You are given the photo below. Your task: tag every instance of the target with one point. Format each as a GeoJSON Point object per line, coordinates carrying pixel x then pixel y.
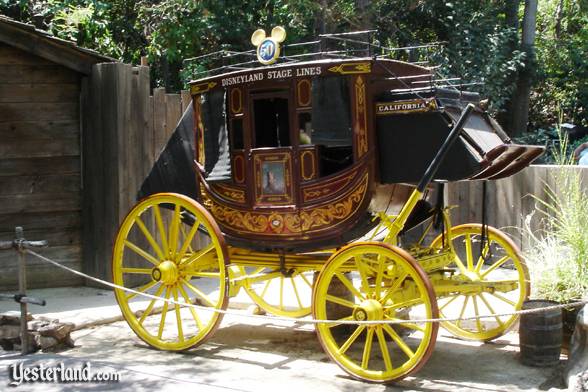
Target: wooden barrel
{"type": "Point", "coordinates": [540, 335]}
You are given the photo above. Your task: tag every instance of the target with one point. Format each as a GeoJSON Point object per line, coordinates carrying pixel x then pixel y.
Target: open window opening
{"type": "Point", "coordinates": [271, 122]}
{"type": "Point", "coordinates": [331, 123]}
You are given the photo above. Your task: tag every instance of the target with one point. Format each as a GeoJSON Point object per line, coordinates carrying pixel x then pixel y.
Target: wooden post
{"type": "Point", "coordinates": [22, 290]}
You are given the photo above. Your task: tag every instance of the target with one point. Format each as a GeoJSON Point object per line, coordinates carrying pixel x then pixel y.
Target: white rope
{"type": "Point", "coordinates": [306, 321]}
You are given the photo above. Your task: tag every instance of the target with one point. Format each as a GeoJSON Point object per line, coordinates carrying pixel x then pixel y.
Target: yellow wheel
{"type": "Point", "coordinates": [382, 283]}
{"type": "Point", "coordinates": [282, 295]}
{"type": "Point", "coordinates": [169, 246]}
{"type": "Point", "coordinates": [501, 264]}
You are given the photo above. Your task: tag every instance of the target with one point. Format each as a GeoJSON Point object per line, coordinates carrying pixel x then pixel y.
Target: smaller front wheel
{"type": "Point", "coordinates": [373, 281]}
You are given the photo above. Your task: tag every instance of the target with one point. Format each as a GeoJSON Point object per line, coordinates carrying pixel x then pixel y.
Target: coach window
{"type": "Point", "coordinates": [331, 123]}
{"type": "Point", "coordinates": [271, 120]}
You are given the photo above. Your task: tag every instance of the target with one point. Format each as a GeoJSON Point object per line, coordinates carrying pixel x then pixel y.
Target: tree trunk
{"type": "Point", "coordinates": [363, 9]}
{"type": "Point", "coordinates": [321, 18]}
{"type": "Point", "coordinates": [511, 12]}
{"type": "Point", "coordinates": [558, 18]}
{"type": "Point", "coordinates": [520, 101]}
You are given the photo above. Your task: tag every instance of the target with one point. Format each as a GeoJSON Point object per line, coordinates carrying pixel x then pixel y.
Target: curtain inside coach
{"type": "Point", "coordinates": [217, 163]}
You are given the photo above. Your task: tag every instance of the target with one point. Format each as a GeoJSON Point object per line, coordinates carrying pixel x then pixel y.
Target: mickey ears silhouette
{"type": "Point", "coordinates": [278, 35]}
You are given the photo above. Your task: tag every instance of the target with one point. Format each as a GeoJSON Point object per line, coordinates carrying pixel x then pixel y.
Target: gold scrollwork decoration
{"type": "Point", "coordinates": [361, 117]}
{"type": "Point", "coordinates": [201, 87]}
{"type": "Point", "coordinates": [353, 68]}
{"type": "Point", "coordinates": [287, 223]}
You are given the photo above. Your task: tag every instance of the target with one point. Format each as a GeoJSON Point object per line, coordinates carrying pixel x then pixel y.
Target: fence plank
{"type": "Point", "coordinates": [173, 113]}
{"type": "Point", "coordinates": [15, 185]}
{"type": "Point", "coordinates": [159, 120]}
{"type": "Point", "coordinates": [186, 99]}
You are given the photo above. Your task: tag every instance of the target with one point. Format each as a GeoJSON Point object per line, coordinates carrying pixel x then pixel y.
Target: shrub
{"type": "Point", "coordinates": [558, 256]}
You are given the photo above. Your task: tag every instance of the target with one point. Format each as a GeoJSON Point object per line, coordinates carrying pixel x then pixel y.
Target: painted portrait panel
{"type": "Point", "coordinates": [273, 177]}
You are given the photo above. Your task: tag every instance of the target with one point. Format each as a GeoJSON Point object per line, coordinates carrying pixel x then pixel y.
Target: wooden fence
{"type": "Point", "coordinates": [124, 128]}
{"type": "Point", "coordinates": [509, 201]}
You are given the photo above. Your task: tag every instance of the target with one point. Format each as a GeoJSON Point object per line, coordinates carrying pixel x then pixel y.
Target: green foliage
{"type": "Point", "coordinates": [562, 77]}
{"type": "Point", "coordinates": [558, 257]}
{"type": "Point", "coordinates": [479, 44]}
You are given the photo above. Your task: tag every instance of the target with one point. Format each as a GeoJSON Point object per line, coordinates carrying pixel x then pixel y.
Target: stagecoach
{"type": "Point", "coordinates": [305, 176]}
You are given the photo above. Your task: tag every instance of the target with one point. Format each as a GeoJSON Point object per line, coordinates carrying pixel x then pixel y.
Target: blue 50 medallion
{"type": "Point", "coordinates": [268, 48]}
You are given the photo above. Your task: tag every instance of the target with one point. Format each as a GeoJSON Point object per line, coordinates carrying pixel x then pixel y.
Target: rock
{"type": "Point", "coordinates": [57, 331]}
{"type": "Point", "coordinates": [46, 342]}
{"type": "Point", "coordinates": [576, 371]}
{"type": "Point", "coordinates": [37, 324]}
{"type": "Point", "coordinates": [46, 334]}
{"type": "Point", "coordinates": [7, 345]}
{"type": "Point", "coordinates": [9, 331]}
{"type": "Point", "coordinates": [12, 318]}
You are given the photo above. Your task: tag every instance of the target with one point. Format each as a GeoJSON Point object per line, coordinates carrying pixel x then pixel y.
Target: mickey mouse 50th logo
{"type": "Point", "coordinates": [268, 48]}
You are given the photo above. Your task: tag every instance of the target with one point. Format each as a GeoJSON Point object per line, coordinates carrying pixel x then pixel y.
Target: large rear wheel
{"type": "Point", "coordinates": [169, 246]}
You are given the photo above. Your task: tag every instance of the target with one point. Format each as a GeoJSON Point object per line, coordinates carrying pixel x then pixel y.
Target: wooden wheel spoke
{"type": "Point", "coordinates": [202, 274]}
{"type": "Point", "coordinates": [199, 293]}
{"type": "Point", "coordinates": [349, 285]}
{"type": "Point", "coordinates": [332, 325]}
{"type": "Point", "coordinates": [161, 228]}
{"type": "Point", "coordinates": [463, 308]}
{"type": "Point", "coordinates": [131, 270]}
{"type": "Point", "coordinates": [305, 279]}
{"type": "Point", "coordinates": [184, 236]}
{"type": "Point", "coordinates": [141, 252]}
{"type": "Point", "coordinates": [281, 293]}
{"type": "Point", "coordinates": [491, 310]}
{"type": "Point", "coordinates": [405, 304]}
{"type": "Point", "coordinates": [195, 257]}
{"type": "Point", "coordinates": [163, 314]}
{"type": "Point", "coordinates": [497, 264]}
{"type": "Point", "coordinates": [508, 301]}
{"type": "Point", "coordinates": [194, 314]}
{"type": "Point", "coordinates": [265, 287]}
{"type": "Point", "coordinates": [178, 316]}
{"type": "Point", "coordinates": [149, 308]}
{"type": "Point", "coordinates": [352, 338]}
{"type": "Point", "coordinates": [468, 249]}
{"type": "Point", "coordinates": [407, 324]}
{"type": "Point", "coordinates": [452, 298]}
{"type": "Point", "coordinates": [187, 241]}
{"type": "Point", "coordinates": [394, 287]}
{"type": "Point", "coordinates": [362, 274]}
{"type": "Point", "coordinates": [367, 350]}
{"type": "Point", "coordinates": [340, 301]}
{"type": "Point", "coordinates": [296, 292]}
{"type": "Point", "coordinates": [174, 231]}
{"type": "Point", "coordinates": [149, 238]}
{"type": "Point", "coordinates": [142, 289]}
{"type": "Point", "coordinates": [379, 276]}
{"type": "Point", "coordinates": [477, 313]}
{"type": "Point", "coordinates": [398, 340]}
{"type": "Point", "coordinates": [384, 348]}
{"type": "Point", "coordinates": [258, 271]}
{"type": "Point", "coordinates": [462, 268]}
{"type": "Point", "coordinates": [482, 257]}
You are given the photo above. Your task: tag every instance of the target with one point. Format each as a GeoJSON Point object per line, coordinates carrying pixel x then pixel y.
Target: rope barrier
{"type": "Point", "coordinates": [305, 321]}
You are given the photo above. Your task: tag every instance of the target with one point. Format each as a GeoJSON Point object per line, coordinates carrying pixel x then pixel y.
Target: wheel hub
{"type": "Point", "coordinates": [166, 272]}
{"type": "Point", "coordinates": [369, 310]}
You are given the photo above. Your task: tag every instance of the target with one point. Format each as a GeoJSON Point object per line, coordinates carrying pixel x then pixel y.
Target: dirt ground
{"type": "Point", "coordinates": [267, 355]}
